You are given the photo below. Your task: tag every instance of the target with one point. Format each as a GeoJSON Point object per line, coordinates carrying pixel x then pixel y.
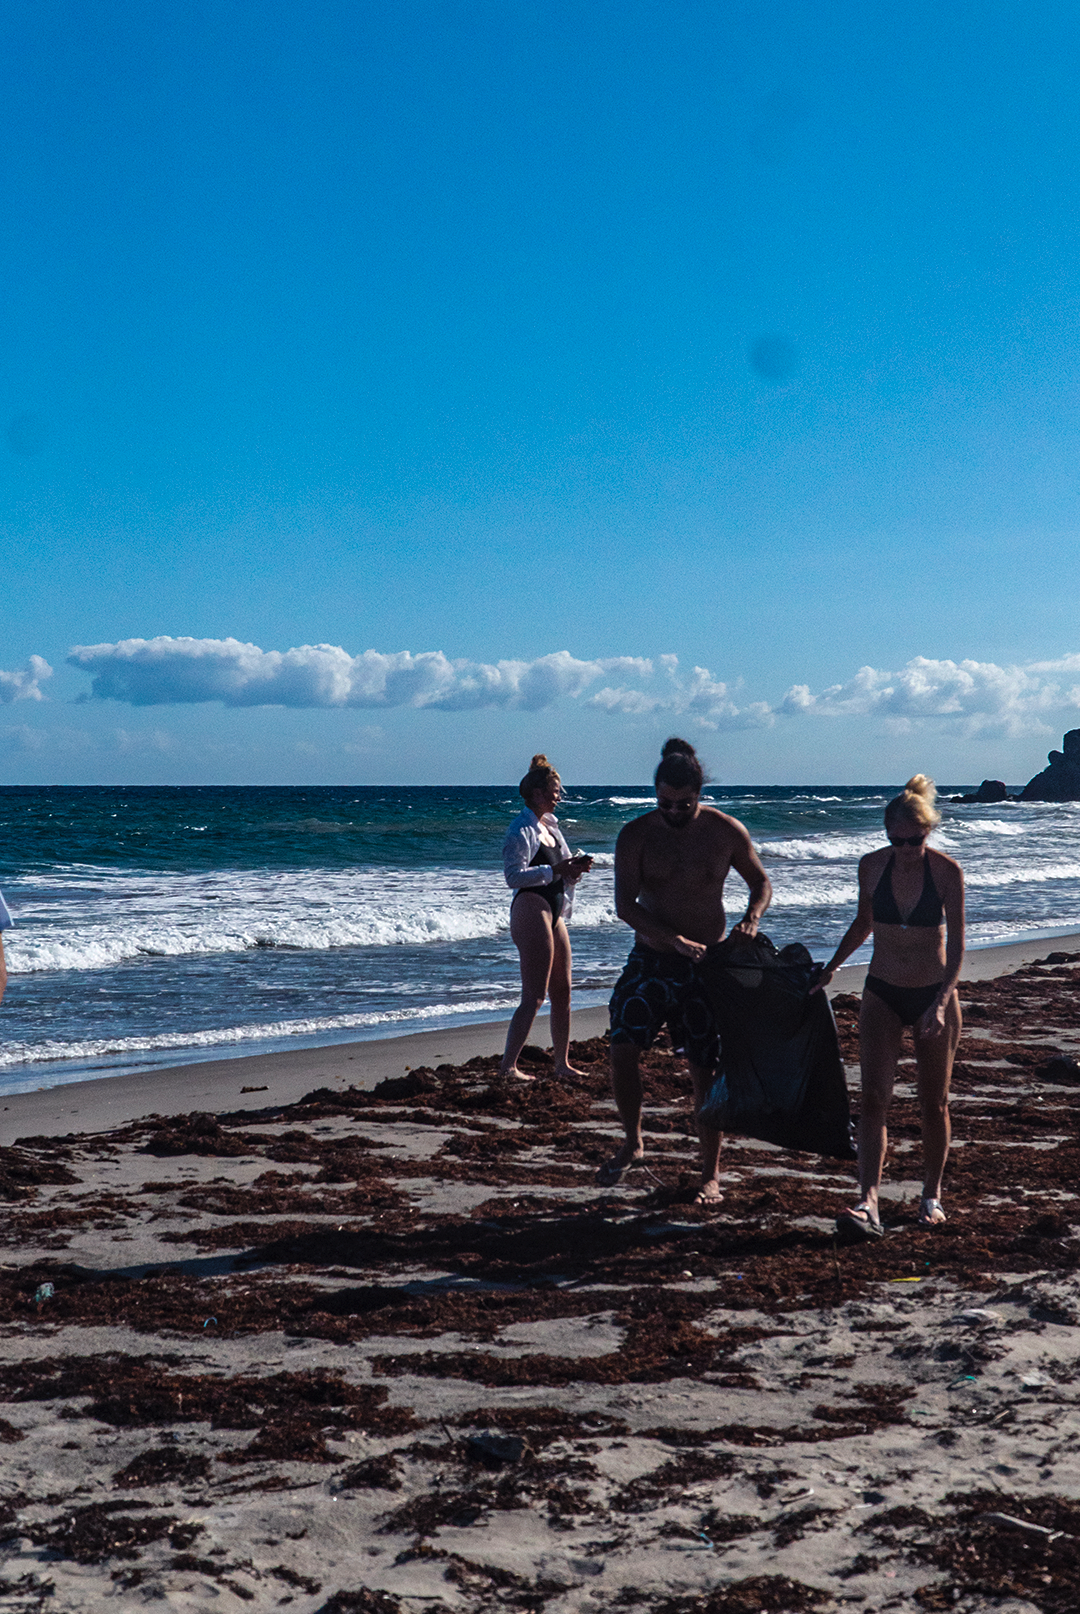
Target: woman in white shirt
{"type": "Point", "coordinates": [541, 873]}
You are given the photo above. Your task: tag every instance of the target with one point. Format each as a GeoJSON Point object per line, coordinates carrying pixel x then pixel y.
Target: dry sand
{"type": "Point", "coordinates": [277, 1327]}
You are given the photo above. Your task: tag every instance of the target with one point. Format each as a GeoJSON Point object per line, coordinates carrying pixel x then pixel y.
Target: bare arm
{"type": "Point", "coordinates": [932, 1023]}
{"type": "Point", "coordinates": [627, 890]}
{"type": "Point", "coordinates": [854, 935]}
{"type": "Point", "coordinates": [746, 862]}
{"type": "Point", "coordinates": [3, 968]}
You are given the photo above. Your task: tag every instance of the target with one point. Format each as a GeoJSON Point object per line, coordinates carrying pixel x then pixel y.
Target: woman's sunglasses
{"type": "Point", "coordinates": [906, 840]}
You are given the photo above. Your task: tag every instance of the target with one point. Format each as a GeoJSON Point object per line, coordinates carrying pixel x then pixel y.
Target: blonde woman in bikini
{"type": "Point", "coordinates": [912, 897]}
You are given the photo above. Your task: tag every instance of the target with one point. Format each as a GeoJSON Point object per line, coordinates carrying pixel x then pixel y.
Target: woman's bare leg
{"type": "Point", "coordinates": [934, 1057]}
{"type": "Point", "coordinates": [880, 1036]}
{"type": "Point", "coordinates": [710, 1139]}
{"type": "Point", "coordinates": [530, 926]}
{"type": "Point", "coordinates": [559, 993]}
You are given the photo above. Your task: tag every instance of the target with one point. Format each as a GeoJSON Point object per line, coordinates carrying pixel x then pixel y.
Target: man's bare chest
{"type": "Point", "coordinates": [667, 861]}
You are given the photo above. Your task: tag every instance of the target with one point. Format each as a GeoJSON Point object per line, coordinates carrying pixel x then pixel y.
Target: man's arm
{"type": "Point", "coordinates": [745, 861]}
{"type": "Point", "coordinates": [627, 889]}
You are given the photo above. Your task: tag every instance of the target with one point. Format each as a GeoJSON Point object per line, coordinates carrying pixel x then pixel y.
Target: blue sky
{"type": "Point", "coordinates": [747, 335]}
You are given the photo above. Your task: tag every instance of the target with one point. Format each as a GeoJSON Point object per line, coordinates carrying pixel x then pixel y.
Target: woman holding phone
{"type": "Point", "coordinates": [912, 897]}
{"type": "Point", "coordinates": [542, 873]}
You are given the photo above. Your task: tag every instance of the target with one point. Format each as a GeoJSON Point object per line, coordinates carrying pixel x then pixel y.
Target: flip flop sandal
{"type": "Point", "coordinates": [854, 1228]}
{"type": "Point", "coordinates": [927, 1209]}
{"type": "Point", "coordinates": [611, 1172]}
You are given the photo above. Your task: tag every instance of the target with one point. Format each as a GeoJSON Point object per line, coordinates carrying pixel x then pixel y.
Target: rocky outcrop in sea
{"type": "Point", "coordinates": [1061, 780]}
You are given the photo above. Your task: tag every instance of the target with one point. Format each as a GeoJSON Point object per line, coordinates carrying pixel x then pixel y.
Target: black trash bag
{"type": "Point", "coordinates": [781, 1077]}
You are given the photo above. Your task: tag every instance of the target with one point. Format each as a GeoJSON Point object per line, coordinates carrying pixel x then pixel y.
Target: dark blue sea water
{"type": "Point", "coordinates": [155, 926]}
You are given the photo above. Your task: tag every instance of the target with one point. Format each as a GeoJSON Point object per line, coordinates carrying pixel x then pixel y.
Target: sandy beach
{"type": "Point", "coordinates": [354, 1329]}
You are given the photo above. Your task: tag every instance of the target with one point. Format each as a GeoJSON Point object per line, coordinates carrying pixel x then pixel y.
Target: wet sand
{"type": "Point", "coordinates": [383, 1345]}
{"type": "Point", "coordinates": [288, 1075]}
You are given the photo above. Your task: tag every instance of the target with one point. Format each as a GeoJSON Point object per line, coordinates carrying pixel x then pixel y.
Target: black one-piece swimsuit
{"type": "Point", "coordinates": [553, 893]}
{"type": "Point", "coordinates": [909, 1003]}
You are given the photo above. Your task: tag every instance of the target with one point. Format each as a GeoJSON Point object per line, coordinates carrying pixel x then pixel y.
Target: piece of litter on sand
{"type": "Point", "coordinates": [263, 1089]}
{"type": "Point", "coordinates": [965, 1378]}
{"type": "Point", "coordinates": [905, 1280]}
{"type": "Point", "coordinates": [43, 1292]}
{"type": "Point", "coordinates": [208, 1321]}
{"type": "Point", "coordinates": [494, 1450]}
{"type": "Point", "coordinates": [1023, 1524]}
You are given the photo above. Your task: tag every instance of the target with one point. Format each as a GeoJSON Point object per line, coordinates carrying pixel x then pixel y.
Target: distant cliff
{"type": "Point", "coordinates": [1061, 780]}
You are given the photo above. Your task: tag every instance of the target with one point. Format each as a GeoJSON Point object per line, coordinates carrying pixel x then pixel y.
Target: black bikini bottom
{"type": "Point", "coordinates": [908, 1003]}
{"type": "Point", "coordinates": [551, 894]}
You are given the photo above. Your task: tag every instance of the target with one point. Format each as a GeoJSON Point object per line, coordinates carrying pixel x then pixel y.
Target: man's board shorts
{"type": "Point", "coordinates": [664, 988]}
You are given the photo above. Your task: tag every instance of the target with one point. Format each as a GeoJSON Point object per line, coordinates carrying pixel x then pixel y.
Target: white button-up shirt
{"type": "Point", "coordinates": [520, 847]}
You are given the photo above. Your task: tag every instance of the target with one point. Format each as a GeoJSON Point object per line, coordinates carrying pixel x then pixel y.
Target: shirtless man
{"type": "Point", "coordinates": [670, 868]}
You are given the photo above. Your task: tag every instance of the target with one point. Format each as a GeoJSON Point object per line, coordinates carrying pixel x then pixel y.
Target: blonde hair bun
{"type": "Point", "coordinates": [541, 776]}
{"type": "Point", "coordinates": [917, 802]}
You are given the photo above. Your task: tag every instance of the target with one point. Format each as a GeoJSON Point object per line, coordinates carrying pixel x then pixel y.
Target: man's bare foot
{"type": "Point", "coordinates": [709, 1193]}
{"type": "Point", "coordinates": [512, 1074]}
{"type": "Point", "coordinates": [611, 1172]}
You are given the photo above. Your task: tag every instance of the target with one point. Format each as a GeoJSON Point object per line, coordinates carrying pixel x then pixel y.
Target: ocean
{"type": "Point", "coordinates": [159, 926]}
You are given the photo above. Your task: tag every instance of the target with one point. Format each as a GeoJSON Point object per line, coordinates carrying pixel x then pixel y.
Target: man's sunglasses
{"type": "Point", "coordinates": [906, 840]}
{"type": "Point", "coordinates": [676, 806]}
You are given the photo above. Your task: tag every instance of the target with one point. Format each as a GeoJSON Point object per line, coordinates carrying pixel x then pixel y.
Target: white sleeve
{"type": "Point", "coordinates": [6, 920]}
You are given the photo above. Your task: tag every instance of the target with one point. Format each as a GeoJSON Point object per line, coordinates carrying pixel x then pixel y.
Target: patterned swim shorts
{"type": "Point", "coordinates": [658, 988]}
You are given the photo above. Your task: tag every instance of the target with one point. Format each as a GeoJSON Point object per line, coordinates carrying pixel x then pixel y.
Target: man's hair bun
{"type": "Point", "coordinates": [539, 761]}
{"type": "Point", "coordinates": [679, 767]}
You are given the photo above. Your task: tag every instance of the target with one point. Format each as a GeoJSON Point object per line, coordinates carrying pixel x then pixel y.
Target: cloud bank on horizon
{"type": "Point", "coordinates": [975, 697]}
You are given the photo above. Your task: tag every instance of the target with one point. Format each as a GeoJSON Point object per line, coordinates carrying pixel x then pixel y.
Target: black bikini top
{"type": "Point", "coordinates": [927, 912]}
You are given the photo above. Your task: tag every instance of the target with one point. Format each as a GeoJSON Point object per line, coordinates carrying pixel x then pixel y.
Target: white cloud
{"type": "Point", "coordinates": [167, 671]}
{"type": "Point", "coordinates": [24, 685]}
{"type": "Point", "coordinates": [971, 697]}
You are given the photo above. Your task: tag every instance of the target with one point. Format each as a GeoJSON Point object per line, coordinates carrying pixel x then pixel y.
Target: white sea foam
{"type": "Point", "coordinates": [829, 848]}
{"type": "Point", "coordinates": [52, 1050]}
{"type": "Point", "coordinates": [1023, 874]}
{"type": "Point", "coordinates": [104, 917]}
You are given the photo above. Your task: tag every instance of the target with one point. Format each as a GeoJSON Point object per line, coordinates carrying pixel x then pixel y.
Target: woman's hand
{"type": "Point", "coordinates": [689, 949]}
{"type": "Point", "coordinates": [823, 979]}
{"type": "Point", "coordinates": [932, 1023]}
{"type": "Point", "coordinates": [572, 868]}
